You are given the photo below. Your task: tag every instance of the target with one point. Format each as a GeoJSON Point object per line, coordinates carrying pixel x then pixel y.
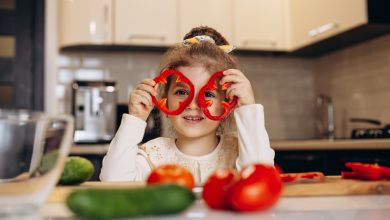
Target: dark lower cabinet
{"type": "Point", "coordinates": [330, 162]}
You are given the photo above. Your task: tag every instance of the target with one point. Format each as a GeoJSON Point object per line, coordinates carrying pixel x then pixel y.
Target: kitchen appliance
{"type": "Point", "coordinates": [376, 131]}
{"type": "Point", "coordinates": [94, 108]}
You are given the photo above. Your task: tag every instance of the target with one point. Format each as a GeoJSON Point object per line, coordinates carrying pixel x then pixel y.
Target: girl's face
{"type": "Point", "coordinates": [192, 122]}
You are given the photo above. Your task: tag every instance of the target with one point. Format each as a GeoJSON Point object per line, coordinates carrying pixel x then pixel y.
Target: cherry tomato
{"type": "Point", "coordinates": [216, 187]}
{"type": "Point", "coordinates": [258, 188]}
{"type": "Point", "coordinates": [171, 173]}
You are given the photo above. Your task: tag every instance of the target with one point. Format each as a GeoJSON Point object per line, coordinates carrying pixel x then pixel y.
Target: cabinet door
{"type": "Point", "coordinates": [312, 21]}
{"type": "Point", "coordinates": [260, 24]}
{"type": "Point", "coordinates": [146, 22]}
{"type": "Point", "coordinates": [212, 13]}
{"type": "Point", "coordinates": [85, 22]}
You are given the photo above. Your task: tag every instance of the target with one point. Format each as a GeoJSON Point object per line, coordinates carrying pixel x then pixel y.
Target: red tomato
{"type": "Point", "coordinates": [258, 188]}
{"type": "Point", "coordinates": [216, 187]}
{"type": "Point", "coordinates": [172, 173]}
{"type": "Point", "coordinates": [278, 168]}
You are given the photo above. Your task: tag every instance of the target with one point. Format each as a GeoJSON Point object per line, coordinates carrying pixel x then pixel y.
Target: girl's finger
{"type": "Point", "coordinates": [150, 82]}
{"type": "Point", "coordinates": [233, 72]}
{"type": "Point", "coordinates": [233, 91]}
{"type": "Point", "coordinates": [232, 79]}
{"type": "Point", "coordinates": [144, 97]}
{"type": "Point", "coordinates": [147, 88]}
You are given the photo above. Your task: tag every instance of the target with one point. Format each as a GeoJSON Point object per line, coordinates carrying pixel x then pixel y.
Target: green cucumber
{"type": "Point", "coordinates": [133, 202]}
{"type": "Point", "coordinates": [76, 171]}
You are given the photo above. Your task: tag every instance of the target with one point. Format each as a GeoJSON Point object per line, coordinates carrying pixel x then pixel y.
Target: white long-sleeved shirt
{"type": "Point", "coordinates": [126, 160]}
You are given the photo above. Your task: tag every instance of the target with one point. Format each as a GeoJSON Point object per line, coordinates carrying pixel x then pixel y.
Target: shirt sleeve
{"type": "Point", "coordinates": [253, 141]}
{"type": "Point", "coordinates": [122, 163]}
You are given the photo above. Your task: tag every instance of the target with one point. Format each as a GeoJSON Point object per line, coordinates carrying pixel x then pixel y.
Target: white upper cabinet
{"type": "Point", "coordinates": [146, 22]}
{"type": "Point", "coordinates": [315, 20]}
{"type": "Point", "coordinates": [85, 22]}
{"type": "Point", "coordinates": [212, 13]}
{"type": "Point", "coordinates": [260, 24]}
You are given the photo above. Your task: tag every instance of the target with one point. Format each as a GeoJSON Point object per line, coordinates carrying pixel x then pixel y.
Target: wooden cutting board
{"type": "Point", "coordinates": [331, 186]}
{"type": "Point", "coordinates": [60, 193]}
{"type": "Point", "coordinates": [335, 186]}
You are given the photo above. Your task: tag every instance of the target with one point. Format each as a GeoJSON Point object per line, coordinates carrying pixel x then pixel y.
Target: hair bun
{"type": "Point", "coordinates": [205, 30]}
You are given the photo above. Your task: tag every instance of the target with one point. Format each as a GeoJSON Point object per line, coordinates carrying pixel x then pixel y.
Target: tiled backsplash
{"type": "Point", "coordinates": [356, 78]}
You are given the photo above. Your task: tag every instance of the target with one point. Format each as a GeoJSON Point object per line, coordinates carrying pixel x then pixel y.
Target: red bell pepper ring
{"type": "Point", "coordinates": [204, 104]}
{"type": "Point", "coordinates": [366, 171]}
{"type": "Point", "coordinates": [162, 104]}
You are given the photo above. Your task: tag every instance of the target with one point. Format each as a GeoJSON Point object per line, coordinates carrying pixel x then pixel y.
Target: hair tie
{"type": "Point", "coordinates": [197, 39]}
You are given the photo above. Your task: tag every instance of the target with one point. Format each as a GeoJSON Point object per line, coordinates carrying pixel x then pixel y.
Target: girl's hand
{"type": "Point", "coordinates": [240, 87]}
{"type": "Point", "coordinates": [140, 101]}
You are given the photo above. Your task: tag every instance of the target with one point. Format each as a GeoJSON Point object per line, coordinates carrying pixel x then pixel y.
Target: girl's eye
{"type": "Point", "coordinates": [209, 94]}
{"type": "Point", "coordinates": [181, 92]}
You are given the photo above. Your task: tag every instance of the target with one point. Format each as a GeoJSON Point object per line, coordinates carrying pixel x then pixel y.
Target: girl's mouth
{"type": "Point", "coordinates": [193, 119]}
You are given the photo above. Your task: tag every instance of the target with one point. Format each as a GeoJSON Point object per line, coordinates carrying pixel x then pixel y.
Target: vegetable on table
{"type": "Point", "coordinates": [76, 171]}
{"type": "Point", "coordinates": [257, 187]}
{"type": "Point", "coordinates": [366, 171]}
{"type": "Point", "coordinates": [171, 173]}
{"type": "Point", "coordinates": [133, 202]}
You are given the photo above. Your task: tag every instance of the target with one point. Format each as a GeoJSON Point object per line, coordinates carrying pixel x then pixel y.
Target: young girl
{"type": "Point", "coordinates": [198, 144]}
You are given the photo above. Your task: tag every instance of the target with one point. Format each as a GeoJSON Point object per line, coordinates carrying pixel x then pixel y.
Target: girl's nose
{"type": "Point", "coordinates": [194, 103]}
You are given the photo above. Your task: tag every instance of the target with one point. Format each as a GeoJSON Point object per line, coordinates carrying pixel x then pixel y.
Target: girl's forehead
{"type": "Point", "coordinates": [197, 74]}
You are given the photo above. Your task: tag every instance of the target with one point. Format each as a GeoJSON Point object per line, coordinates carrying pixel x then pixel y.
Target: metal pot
{"type": "Point", "coordinates": [378, 131]}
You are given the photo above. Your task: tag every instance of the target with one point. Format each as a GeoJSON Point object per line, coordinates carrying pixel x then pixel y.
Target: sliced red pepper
{"type": "Point", "coordinates": [302, 177]}
{"type": "Point", "coordinates": [349, 175]}
{"type": "Point", "coordinates": [366, 171]}
{"type": "Point", "coordinates": [162, 104]}
{"type": "Point", "coordinates": [204, 104]}
{"type": "Point", "coordinates": [386, 172]}
{"type": "Point", "coordinates": [288, 177]}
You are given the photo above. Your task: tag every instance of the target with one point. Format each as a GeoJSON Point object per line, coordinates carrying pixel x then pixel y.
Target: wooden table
{"type": "Point", "coordinates": [334, 198]}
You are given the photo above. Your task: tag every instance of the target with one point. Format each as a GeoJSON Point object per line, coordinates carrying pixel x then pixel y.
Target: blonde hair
{"type": "Point", "coordinates": [205, 54]}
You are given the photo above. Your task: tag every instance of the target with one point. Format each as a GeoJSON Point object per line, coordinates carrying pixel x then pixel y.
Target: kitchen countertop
{"type": "Point", "coordinates": [315, 144]}
{"type": "Point", "coordinates": [373, 207]}
{"type": "Point", "coordinates": [337, 144]}
{"type": "Point", "coordinates": [353, 200]}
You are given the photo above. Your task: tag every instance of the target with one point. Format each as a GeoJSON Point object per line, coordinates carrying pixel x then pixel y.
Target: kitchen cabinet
{"type": "Point", "coordinates": [212, 13]}
{"type": "Point", "coordinates": [260, 24]}
{"type": "Point", "coordinates": [312, 21]}
{"type": "Point", "coordinates": [84, 22]}
{"type": "Point", "coordinates": [147, 22]}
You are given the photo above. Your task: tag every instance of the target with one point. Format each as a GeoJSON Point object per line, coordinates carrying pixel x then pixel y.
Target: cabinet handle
{"type": "Point", "coordinates": [147, 37]}
{"type": "Point", "coordinates": [322, 29]}
{"type": "Point", "coordinates": [259, 42]}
